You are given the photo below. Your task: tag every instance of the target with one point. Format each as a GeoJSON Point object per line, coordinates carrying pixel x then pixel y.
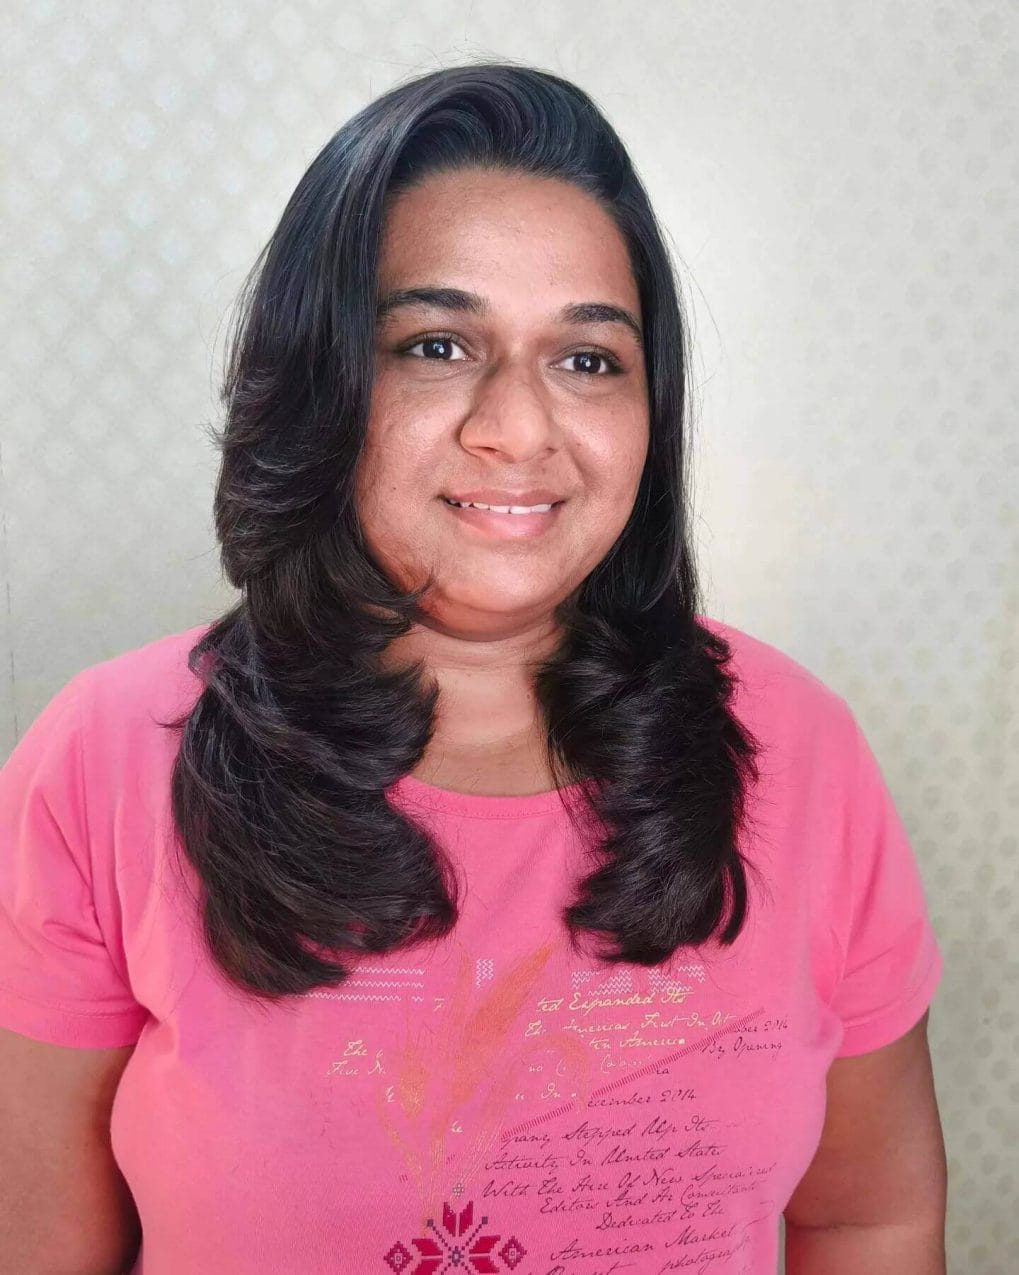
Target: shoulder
{"type": "Point", "coordinates": [125, 700]}
{"type": "Point", "coordinates": [778, 696]}
{"type": "Point", "coordinates": [106, 708]}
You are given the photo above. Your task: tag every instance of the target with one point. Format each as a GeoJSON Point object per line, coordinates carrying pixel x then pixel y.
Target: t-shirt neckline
{"type": "Point", "coordinates": [482, 806]}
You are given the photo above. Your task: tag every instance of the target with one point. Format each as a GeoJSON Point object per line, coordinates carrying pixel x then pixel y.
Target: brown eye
{"type": "Point", "coordinates": [595, 363]}
{"type": "Point", "coordinates": [434, 348]}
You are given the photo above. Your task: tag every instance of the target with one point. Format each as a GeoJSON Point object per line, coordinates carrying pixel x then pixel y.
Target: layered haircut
{"type": "Point", "coordinates": [279, 783]}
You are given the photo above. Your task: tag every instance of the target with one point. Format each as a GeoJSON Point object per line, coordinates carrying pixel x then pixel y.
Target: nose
{"type": "Point", "coordinates": [510, 416]}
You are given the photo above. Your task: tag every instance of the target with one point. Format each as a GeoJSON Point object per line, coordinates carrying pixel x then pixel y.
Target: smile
{"type": "Point", "coordinates": [516, 510]}
{"type": "Point", "coordinates": [505, 522]}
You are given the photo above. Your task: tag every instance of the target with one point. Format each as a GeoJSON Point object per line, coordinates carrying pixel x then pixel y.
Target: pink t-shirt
{"type": "Point", "coordinates": [491, 1103]}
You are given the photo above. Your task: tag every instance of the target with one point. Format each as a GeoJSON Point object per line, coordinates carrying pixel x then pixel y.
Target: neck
{"type": "Point", "coordinates": [486, 687]}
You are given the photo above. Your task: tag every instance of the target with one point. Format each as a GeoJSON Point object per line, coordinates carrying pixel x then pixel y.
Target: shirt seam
{"type": "Point", "coordinates": [39, 1002]}
{"type": "Point", "coordinates": [442, 809]}
{"type": "Point", "coordinates": [141, 937]}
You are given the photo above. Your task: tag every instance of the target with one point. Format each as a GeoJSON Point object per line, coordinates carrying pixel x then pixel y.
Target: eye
{"type": "Point", "coordinates": [596, 362]}
{"type": "Point", "coordinates": [609, 365]}
{"type": "Point", "coordinates": [429, 343]}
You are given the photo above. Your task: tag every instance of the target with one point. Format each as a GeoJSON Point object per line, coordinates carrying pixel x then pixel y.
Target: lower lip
{"type": "Point", "coordinates": [506, 526]}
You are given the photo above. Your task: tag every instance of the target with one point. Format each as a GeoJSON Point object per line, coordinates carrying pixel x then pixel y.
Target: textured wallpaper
{"type": "Point", "coordinates": [839, 184]}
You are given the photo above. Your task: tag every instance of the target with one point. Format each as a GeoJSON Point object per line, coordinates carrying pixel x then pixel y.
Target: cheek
{"type": "Point", "coordinates": [387, 514]}
{"type": "Point", "coordinates": [389, 472]}
{"type": "Point", "coordinates": [614, 460]}
{"type": "Point", "coordinates": [381, 499]}
{"type": "Point", "coordinates": [394, 487]}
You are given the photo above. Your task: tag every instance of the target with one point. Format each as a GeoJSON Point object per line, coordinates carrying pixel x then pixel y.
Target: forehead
{"type": "Point", "coordinates": [505, 234]}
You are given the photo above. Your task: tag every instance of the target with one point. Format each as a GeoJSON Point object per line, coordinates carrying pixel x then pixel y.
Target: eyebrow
{"type": "Point", "coordinates": [457, 299]}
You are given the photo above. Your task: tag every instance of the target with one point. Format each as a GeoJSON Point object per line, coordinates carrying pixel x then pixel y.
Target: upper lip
{"type": "Point", "coordinates": [497, 496]}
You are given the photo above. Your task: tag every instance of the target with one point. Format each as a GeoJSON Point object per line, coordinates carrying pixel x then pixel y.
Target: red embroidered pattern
{"type": "Point", "coordinates": [438, 1253]}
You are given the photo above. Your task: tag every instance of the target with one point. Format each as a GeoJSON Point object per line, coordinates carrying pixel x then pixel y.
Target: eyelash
{"type": "Point", "coordinates": [615, 367]}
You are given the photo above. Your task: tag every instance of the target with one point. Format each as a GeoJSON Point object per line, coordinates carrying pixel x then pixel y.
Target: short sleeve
{"type": "Point", "coordinates": [892, 963]}
{"type": "Point", "coordinates": [58, 982]}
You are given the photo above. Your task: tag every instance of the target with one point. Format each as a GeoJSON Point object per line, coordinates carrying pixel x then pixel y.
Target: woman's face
{"type": "Point", "coordinates": [495, 389]}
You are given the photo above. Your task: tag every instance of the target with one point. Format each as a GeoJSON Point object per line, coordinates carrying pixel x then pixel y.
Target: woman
{"type": "Point", "coordinates": [463, 898]}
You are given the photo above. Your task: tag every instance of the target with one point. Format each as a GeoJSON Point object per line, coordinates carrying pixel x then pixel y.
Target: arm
{"type": "Point", "coordinates": [65, 1208]}
{"type": "Point", "coordinates": [873, 1198]}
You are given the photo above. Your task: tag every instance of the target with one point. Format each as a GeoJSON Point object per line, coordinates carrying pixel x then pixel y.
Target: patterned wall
{"type": "Point", "coordinates": [839, 183]}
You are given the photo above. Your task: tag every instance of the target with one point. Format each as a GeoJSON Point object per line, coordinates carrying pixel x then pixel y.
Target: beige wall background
{"type": "Point", "coordinates": [839, 182]}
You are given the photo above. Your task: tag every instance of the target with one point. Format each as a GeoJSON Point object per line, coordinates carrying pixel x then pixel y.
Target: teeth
{"type": "Point", "coordinates": [503, 509]}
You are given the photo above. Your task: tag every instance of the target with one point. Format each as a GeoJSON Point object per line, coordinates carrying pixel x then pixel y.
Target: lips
{"type": "Point", "coordinates": [501, 525]}
{"type": "Point", "coordinates": [502, 496]}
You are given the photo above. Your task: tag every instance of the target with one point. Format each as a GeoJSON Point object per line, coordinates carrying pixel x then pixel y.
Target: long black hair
{"type": "Point", "coordinates": [279, 784]}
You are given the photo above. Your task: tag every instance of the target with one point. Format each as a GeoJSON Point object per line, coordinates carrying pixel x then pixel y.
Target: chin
{"type": "Point", "coordinates": [493, 610]}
